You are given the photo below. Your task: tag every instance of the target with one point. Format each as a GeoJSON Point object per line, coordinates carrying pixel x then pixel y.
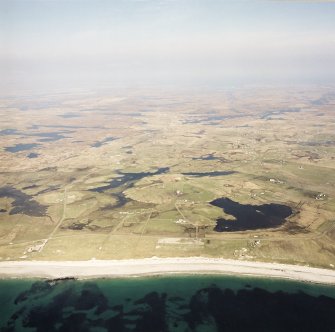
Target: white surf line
{"type": "Point", "coordinates": [162, 266]}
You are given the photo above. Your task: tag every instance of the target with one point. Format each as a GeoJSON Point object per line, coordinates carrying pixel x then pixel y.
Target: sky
{"type": "Point", "coordinates": [73, 43]}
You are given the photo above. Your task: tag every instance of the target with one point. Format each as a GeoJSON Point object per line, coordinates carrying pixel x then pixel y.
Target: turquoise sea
{"type": "Point", "coordinates": [169, 303]}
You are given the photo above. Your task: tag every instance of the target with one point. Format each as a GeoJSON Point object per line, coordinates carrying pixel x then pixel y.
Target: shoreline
{"type": "Point", "coordinates": [162, 266]}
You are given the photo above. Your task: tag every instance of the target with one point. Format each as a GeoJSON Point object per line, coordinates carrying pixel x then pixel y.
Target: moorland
{"type": "Point", "coordinates": [246, 174]}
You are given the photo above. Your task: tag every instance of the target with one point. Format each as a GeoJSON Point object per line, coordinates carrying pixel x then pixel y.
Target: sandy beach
{"type": "Point", "coordinates": [161, 266]}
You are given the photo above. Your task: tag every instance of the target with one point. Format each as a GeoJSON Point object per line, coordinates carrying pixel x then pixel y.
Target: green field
{"type": "Point", "coordinates": [147, 191]}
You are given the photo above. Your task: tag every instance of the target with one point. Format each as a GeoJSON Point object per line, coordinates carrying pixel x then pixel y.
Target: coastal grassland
{"type": "Point", "coordinates": [134, 184]}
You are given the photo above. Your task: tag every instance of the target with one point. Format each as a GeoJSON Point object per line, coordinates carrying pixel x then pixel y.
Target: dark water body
{"type": "Point", "coordinates": [212, 119]}
{"type": "Point", "coordinates": [30, 187]}
{"type": "Point", "coordinates": [50, 137]}
{"type": "Point", "coordinates": [23, 203]}
{"type": "Point", "coordinates": [47, 190]}
{"type": "Point", "coordinates": [268, 115]}
{"type": "Point", "coordinates": [174, 303]}
{"type": "Point", "coordinates": [70, 115]}
{"type": "Point", "coordinates": [80, 225]}
{"type": "Point", "coordinates": [121, 200]}
{"type": "Point", "coordinates": [210, 156]}
{"type": "Point", "coordinates": [326, 99]}
{"type": "Point", "coordinates": [42, 105]}
{"type": "Point", "coordinates": [127, 179]}
{"type": "Point", "coordinates": [312, 143]}
{"type": "Point", "coordinates": [123, 182]}
{"type": "Point", "coordinates": [35, 126]}
{"type": "Point", "coordinates": [103, 142]}
{"type": "Point", "coordinates": [45, 136]}
{"type": "Point", "coordinates": [249, 217]}
{"type": "Point", "coordinates": [33, 155]}
{"type": "Point", "coordinates": [318, 143]}
{"type": "Point", "coordinates": [7, 132]}
{"type": "Point", "coordinates": [21, 147]}
{"type": "Point", "coordinates": [210, 174]}
{"type": "Point", "coordinates": [135, 114]}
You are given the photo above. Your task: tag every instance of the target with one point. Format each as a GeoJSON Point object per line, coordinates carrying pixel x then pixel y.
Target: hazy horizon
{"type": "Point", "coordinates": [81, 43]}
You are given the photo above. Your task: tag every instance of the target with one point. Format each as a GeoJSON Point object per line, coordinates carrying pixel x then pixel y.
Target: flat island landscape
{"type": "Point", "coordinates": [167, 166]}
{"type": "Point", "coordinates": [244, 174]}
{"type": "Point", "coordinates": [228, 191]}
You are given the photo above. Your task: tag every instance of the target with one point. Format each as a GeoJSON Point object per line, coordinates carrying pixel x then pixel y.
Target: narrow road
{"type": "Point", "coordinates": [59, 222]}
{"type": "Point", "coordinates": [177, 208]}
{"type": "Point", "coordinates": [138, 240]}
{"type": "Point", "coordinates": [118, 226]}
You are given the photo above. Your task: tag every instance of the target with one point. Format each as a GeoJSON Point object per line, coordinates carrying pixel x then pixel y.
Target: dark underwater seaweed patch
{"type": "Point", "coordinates": [68, 305]}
